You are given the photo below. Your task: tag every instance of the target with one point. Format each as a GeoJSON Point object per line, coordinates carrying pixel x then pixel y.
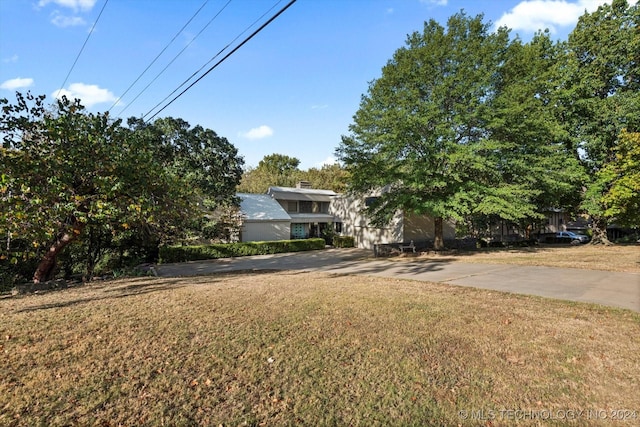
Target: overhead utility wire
{"type": "Point", "coordinates": [160, 54]}
{"type": "Point", "coordinates": [212, 58]}
{"type": "Point", "coordinates": [175, 57]}
{"type": "Point", "coordinates": [93, 27]}
{"type": "Point", "coordinates": [228, 55]}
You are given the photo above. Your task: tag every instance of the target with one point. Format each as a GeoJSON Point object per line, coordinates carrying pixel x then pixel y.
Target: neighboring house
{"type": "Point", "coordinates": [303, 212]}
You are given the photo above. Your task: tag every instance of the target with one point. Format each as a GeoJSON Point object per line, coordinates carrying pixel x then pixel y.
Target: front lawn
{"type": "Point", "coordinates": [295, 348]}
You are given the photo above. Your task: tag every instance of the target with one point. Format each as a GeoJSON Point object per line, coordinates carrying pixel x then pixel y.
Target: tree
{"type": "Point", "coordinates": [205, 161]}
{"type": "Point", "coordinates": [272, 170]}
{"type": "Point", "coordinates": [531, 147]}
{"type": "Point", "coordinates": [617, 184]}
{"type": "Point", "coordinates": [282, 170]}
{"type": "Point", "coordinates": [66, 172]}
{"type": "Point", "coordinates": [601, 94]}
{"type": "Point", "coordinates": [328, 177]}
{"type": "Point", "coordinates": [446, 130]}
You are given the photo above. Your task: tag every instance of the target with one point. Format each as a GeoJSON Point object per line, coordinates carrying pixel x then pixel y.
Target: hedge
{"type": "Point", "coordinates": [201, 252]}
{"type": "Point", "coordinates": [344, 241]}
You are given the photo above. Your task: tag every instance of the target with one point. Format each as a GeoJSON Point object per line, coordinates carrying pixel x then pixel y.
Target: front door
{"type": "Point", "coordinates": [298, 231]}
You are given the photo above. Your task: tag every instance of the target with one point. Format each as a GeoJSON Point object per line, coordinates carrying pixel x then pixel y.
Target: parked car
{"type": "Point", "coordinates": [570, 237]}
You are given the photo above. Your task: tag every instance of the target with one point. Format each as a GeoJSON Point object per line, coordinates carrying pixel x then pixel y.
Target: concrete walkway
{"type": "Point", "coordinates": [594, 286]}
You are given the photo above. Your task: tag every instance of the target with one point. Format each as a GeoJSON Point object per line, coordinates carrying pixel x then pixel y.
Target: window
{"type": "Point", "coordinates": [292, 206]}
{"type": "Point", "coordinates": [369, 201]}
{"type": "Point", "coordinates": [338, 226]}
{"type": "Point", "coordinates": [324, 207]}
{"type": "Point", "coordinates": [305, 206]}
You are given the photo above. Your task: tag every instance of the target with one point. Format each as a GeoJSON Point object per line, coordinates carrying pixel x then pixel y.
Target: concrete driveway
{"type": "Point", "coordinates": [601, 287]}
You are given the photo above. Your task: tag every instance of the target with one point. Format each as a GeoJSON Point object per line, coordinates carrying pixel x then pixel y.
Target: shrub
{"type": "Point", "coordinates": [224, 250]}
{"type": "Point", "coordinates": [343, 241]}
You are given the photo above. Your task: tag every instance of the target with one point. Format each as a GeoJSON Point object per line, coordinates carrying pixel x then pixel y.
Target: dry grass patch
{"type": "Point", "coordinates": [623, 258]}
{"type": "Point", "coordinates": [310, 349]}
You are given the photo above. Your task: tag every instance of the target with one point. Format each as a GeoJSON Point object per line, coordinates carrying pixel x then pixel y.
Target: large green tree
{"type": "Point", "coordinates": [616, 186]}
{"type": "Point", "coordinates": [273, 170]}
{"type": "Point", "coordinates": [456, 126]}
{"type": "Point", "coordinates": [207, 162]}
{"type": "Point", "coordinates": [601, 94]}
{"type": "Point", "coordinates": [282, 170]}
{"type": "Point", "coordinates": [68, 175]}
{"type": "Point", "coordinates": [327, 177]}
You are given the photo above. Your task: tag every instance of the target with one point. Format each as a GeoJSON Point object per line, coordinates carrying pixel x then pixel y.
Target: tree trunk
{"type": "Point", "coordinates": [438, 242]}
{"type": "Point", "coordinates": [599, 236]}
{"type": "Point", "coordinates": [47, 264]}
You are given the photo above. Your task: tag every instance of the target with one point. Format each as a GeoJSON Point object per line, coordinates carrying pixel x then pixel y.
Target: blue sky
{"type": "Point", "coordinates": [292, 89]}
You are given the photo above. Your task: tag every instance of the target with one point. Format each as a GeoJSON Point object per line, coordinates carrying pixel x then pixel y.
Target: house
{"type": "Point", "coordinates": [263, 219]}
{"type": "Point", "coordinates": [303, 212]}
{"type": "Point", "coordinates": [285, 213]}
{"type": "Point", "coordinates": [308, 208]}
{"type": "Point", "coordinates": [349, 216]}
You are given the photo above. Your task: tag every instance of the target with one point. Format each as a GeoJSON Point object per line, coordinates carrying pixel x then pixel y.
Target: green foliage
{"type": "Point", "coordinates": [273, 170]}
{"type": "Point", "coordinates": [329, 177]}
{"type": "Point", "coordinates": [601, 97]}
{"type": "Point", "coordinates": [69, 176]}
{"type": "Point", "coordinates": [621, 178]}
{"type": "Point", "coordinates": [344, 241]}
{"type": "Point", "coordinates": [282, 171]}
{"type": "Point", "coordinates": [170, 254]}
{"type": "Point", "coordinates": [459, 125]}
{"type": "Point", "coordinates": [202, 160]}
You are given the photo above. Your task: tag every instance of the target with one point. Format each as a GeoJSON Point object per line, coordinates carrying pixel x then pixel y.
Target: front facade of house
{"type": "Point", "coordinates": [308, 208]}
{"type": "Point", "coordinates": [303, 212]}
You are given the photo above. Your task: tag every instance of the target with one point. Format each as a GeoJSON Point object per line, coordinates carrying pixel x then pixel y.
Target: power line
{"type": "Point", "coordinates": [226, 56]}
{"type": "Point", "coordinates": [82, 48]}
{"type": "Point", "coordinates": [212, 58]}
{"type": "Point", "coordinates": [174, 58]}
{"type": "Point", "coordinates": [160, 54]}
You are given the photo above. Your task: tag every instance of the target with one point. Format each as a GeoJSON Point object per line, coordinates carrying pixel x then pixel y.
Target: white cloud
{"type": "Point", "coordinates": [436, 2]}
{"type": "Point", "coordinates": [76, 5]}
{"type": "Point", "coordinates": [10, 59]}
{"type": "Point", "coordinates": [534, 15]}
{"type": "Point", "coordinates": [89, 95]}
{"type": "Point", "coordinates": [258, 133]}
{"type": "Point", "coordinates": [67, 21]}
{"type": "Point", "coordinates": [18, 83]}
{"type": "Point", "coordinates": [328, 161]}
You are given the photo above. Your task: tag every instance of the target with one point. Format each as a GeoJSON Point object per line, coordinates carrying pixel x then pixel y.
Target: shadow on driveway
{"type": "Point", "coordinates": [601, 287]}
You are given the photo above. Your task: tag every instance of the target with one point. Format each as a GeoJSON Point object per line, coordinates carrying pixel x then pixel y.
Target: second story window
{"type": "Point", "coordinates": [292, 206]}
{"type": "Point", "coordinates": [305, 206]}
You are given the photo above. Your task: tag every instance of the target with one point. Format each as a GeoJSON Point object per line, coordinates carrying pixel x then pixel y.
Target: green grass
{"type": "Point", "coordinates": [309, 349]}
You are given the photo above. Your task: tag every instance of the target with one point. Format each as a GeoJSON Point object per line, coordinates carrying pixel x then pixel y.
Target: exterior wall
{"type": "Point", "coordinates": [421, 227]}
{"type": "Point", "coordinates": [263, 231]}
{"type": "Point", "coordinates": [348, 211]}
{"type": "Point", "coordinates": [556, 221]}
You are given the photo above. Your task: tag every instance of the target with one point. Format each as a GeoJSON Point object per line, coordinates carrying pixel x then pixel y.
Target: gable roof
{"type": "Point", "coordinates": [261, 207]}
{"type": "Point", "coordinates": [311, 194]}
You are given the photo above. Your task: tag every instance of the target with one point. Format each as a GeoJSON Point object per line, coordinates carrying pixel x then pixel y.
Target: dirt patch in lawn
{"type": "Point", "coordinates": [293, 348]}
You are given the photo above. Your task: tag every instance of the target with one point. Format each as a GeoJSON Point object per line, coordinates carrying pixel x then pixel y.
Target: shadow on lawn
{"type": "Point", "coordinates": [136, 286]}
